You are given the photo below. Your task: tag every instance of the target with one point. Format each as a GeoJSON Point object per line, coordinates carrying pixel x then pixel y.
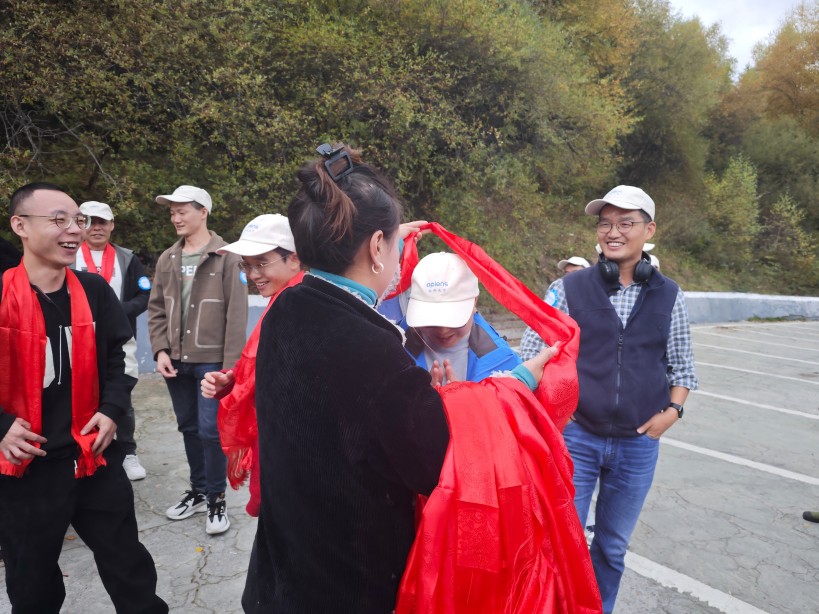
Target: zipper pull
{"type": "Point", "coordinates": [75, 468]}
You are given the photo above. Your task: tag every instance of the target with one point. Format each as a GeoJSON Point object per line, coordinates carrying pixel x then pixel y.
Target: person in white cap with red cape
{"type": "Point", "coordinates": [197, 319]}
{"type": "Point", "coordinates": [635, 368]}
{"type": "Point", "coordinates": [270, 261]}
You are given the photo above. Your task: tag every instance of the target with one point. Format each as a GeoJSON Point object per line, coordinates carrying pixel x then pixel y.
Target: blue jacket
{"type": "Point", "coordinates": [488, 351]}
{"type": "Point", "coordinates": [622, 370]}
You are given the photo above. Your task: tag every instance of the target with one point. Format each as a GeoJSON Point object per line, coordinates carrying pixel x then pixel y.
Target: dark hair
{"type": "Point", "coordinates": [284, 253]}
{"type": "Point", "coordinates": [330, 220]}
{"type": "Point", "coordinates": [24, 193]}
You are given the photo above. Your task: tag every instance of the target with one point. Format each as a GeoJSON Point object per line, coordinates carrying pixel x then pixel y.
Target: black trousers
{"type": "Point", "coordinates": [35, 512]}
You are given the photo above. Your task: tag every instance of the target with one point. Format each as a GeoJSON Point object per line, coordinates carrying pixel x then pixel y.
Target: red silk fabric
{"type": "Point", "coordinates": [558, 389]}
{"type": "Point", "coordinates": [500, 534]}
{"type": "Point", "coordinates": [236, 420]}
{"type": "Point", "coordinates": [109, 255]}
{"type": "Point", "coordinates": [22, 364]}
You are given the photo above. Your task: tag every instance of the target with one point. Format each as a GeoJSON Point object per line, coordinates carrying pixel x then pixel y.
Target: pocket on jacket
{"type": "Point", "coordinates": [210, 324]}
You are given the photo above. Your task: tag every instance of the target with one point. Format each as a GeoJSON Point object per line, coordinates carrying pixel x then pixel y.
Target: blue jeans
{"type": "Point", "coordinates": [625, 468]}
{"type": "Point", "coordinates": [196, 420]}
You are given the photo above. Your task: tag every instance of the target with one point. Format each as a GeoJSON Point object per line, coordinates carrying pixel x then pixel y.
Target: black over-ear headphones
{"type": "Point", "coordinates": [610, 271]}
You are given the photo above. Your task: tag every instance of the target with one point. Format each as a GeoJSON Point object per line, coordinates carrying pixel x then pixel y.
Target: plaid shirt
{"type": "Point", "coordinates": [680, 351]}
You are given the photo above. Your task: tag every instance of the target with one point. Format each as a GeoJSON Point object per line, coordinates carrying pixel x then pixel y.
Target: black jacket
{"type": "Point", "coordinates": [349, 430]}
{"type": "Point", "coordinates": [112, 331]}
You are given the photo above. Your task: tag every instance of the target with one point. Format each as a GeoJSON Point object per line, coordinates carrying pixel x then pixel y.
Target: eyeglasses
{"type": "Point", "coordinates": [624, 226]}
{"type": "Point", "coordinates": [63, 221]}
{"type": "Point", "coordinates": [246, 267]}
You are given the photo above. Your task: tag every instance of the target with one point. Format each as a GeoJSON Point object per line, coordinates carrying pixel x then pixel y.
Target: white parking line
{"type": "Point", "coordinates": [719, 347]}
{"type": "Point", "coordinates": [686, 584]}
{"type": "Point", "coordinates": [782, 345]}
{"type": "Point", "coordinates": [792, 412]}
{"type": "Point", "coordinates": [787, 377]}
{"type": "Point", "coordinates": [738, 460]}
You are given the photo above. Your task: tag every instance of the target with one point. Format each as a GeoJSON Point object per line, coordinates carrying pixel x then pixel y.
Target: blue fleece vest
{"type": "Point", "coordinates": [622, 370]}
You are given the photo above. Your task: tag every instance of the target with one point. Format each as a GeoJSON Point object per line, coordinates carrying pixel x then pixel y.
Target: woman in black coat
{"type": "Point", "coordinates": [349, 428]}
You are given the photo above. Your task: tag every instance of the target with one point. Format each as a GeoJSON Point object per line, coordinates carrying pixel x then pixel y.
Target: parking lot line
{"type": "Point", "coordinates": [769, 356]}
{"type": "Point", "coordinates": [686, 584]}
{"type": "Point", "coordinates": [766, 374]}
{"type": "Point", "coordinates": [760, 342]}
{"type": "Point", "coordinates": [738, 460]}
{"type": "Point", "coordinates": [783, 410]}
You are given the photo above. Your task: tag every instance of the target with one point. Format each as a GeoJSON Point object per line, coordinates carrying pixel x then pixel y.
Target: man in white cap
{"type": "Point", "coordinates": [635, 367]}
{"type": "Point", "coordinates": [570, 265]}
{"type": "Point", "coordinates": [447, 335]}
{"type": "Point", "coordinates": [197, 320]}
{"type": "Point", "coordinates": [126, 275]}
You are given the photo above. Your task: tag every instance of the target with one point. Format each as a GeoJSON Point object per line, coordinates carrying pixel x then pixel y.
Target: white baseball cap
{"type": "Point", "coordinates": [187, 194]}
{"type": "Point", "coordinates": [576, 260]}
{"type": "Point", "coordinates": [443, 292]}
{"type": "Point", "coordinates": [92, 208]}
{"type": "Point", "coordinates": [655, 262]}
{"type": "Point", "coordinates": [625, 197]}
{"type": "Point", "coordinates": [261, 235]}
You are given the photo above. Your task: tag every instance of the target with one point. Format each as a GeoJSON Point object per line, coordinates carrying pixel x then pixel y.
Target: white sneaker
{"type": "Point", "coordinates": [218, 521]}
{"type": "Point", "coordinates": [133, 469]}
{"type": "Point", "coordinates": [191, 503]}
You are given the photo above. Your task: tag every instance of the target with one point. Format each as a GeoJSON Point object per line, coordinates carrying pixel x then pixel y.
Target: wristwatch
{"type": "Point", "coordinates": [678, 407]}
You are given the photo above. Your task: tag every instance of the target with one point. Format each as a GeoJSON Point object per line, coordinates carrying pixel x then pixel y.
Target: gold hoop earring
{"type": "Point", "coordinates": [380, 266]}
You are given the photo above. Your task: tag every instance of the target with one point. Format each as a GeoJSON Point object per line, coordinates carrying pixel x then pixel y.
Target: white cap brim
{"type": "Point", "coordinates": [243, 247]}
{"type": "Point", "coordinates": [167, 199]}
{"type": "Point", "coordinates": [450, 314]}
{"type": "Point", "coordinates": [594, 207]}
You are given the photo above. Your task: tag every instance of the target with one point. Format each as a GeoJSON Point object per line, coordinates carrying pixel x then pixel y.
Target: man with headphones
{"type": "Point", "coordinates": [635, 368]}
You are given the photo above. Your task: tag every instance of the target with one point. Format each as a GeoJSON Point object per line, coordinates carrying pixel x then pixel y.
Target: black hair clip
{"type": "Point", "coordinates": [333, 156]}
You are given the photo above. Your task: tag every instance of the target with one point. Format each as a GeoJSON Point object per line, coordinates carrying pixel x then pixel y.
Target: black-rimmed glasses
{"type": "Point", "coordinates": [63, 221]}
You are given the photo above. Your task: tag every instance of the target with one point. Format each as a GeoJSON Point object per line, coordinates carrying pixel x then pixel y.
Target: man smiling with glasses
{"type": "Point", "coordinates": [635, 368]}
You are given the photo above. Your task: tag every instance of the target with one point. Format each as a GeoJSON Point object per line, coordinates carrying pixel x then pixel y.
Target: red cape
{"type": "Point", "coordinates": [500, 533]}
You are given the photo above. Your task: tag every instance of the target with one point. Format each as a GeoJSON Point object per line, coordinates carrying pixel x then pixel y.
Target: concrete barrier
{"type": "Point", "coordinates": [703, 308]}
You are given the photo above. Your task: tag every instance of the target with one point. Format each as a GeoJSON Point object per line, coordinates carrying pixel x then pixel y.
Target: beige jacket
{"type": "Point", "coordinates": [217, 315]}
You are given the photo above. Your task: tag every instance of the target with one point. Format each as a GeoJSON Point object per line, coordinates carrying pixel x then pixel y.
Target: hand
{"type": "Point", "coordinates": [438, 373]}
{"type": "Point", "coordinates": [406, 229]}
{"type": "Point", "coordinates": [106, 429]}
{"type": "Point", "coordinates": [659, 423]}
{"type": "Point", "coordinates": [163, 365]}
{"type": "Point", "coordinates": [537, 364]}
{"type": "Point", "coordinates": [15, 444]}
{"type": "Point", "coordinates": [214, 382]}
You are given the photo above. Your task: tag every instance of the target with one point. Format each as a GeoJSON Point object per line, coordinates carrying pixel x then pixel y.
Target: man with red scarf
{"type": "Point", "coordinates": [126, 275]}
{"type": "Point", "coordinates": [62, 387]}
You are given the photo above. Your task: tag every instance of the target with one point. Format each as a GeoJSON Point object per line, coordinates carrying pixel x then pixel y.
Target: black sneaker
{"type": "Point", "coordinates": [811, 516]}
{"type": "Point", "coordinates": [191, 503]}
{"type": "Point", "coordinates": [218, 521]}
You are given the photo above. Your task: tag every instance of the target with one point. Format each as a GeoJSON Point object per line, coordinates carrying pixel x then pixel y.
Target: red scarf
{"type": "Point", "coordinates": [238, 429]}
{"type": "Point", "coordinates": [558, 389]}
{"type": "Point", "coordinates": [500, 533]}
{"type": "Point", "coordinates": [22, 364]}
{"type": "Point", "coordinates": [109, 256]}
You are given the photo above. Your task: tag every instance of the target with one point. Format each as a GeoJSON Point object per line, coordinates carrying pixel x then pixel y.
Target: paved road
{"type": "Point", "coordinates": [721, 532]}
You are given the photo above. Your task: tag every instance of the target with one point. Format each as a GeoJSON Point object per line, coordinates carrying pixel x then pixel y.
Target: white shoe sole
{"type": "Point", "coordinates": [202, 507]}
{"type": "Point", "coordinates": [217, 530]}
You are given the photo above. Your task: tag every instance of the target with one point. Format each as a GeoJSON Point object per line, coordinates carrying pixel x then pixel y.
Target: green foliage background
{"type": "Point", "coordinates": [497, 119]}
